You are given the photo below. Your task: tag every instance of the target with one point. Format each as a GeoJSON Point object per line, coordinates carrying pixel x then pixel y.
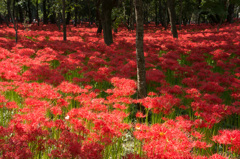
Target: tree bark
{"type": "Point", "coordinates": [107, 6]}
{"type": "Point", "coordinates": [107, 26]}
{"type": "Point", "coordinates": [19, 10]}
{"type": "Point", "coordinates": [15, 19]}
{"type": "Point", "coordinates": [156, 13]}
{"type": "Point", "coordinates": [141, 72]}
{"type": "Point", "coordinates": [8, 10]}
{"type": "Point", "coordinates": [180, 15]}
{"type": "Point", "coordinates": [45, 17]}
{"type": "Point", "coordinates": [64, 21]}
{"type": "Point", "coordinates": [37, 12]}
{"type": "Point", "coordinates": [53, 17]}
{"type": "Point", "coordinates": [76, 12]}
{"type": "Point", "coordinates": [162, 15]}
{"type": "Point", "coordinates": [131, 17]}
{"type": "Point", "coordinates": [172, 16]}
{"type": "Point", "coordinates": [230, 13]}
{"type": "Point", "coordinates": [59, 21]}
{"type": "Point", "coordinates": [98, 17]}
{"type": "Point", "coordinates": [29, 12]}
{"type": "Point", "coordinates": [68, 18]}
{"type": "Point", "coordinates": [199, 15]}
{"type": "Point", "coordinates": [89, 12]}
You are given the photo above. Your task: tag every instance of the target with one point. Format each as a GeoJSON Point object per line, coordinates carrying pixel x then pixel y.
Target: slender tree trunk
{"type": "Point", "coordinates": [68, 15]}
{"type": "Point", "coordinates": [59, 21]}
{"type": "Point", "coordinates": [199, 15]}
{"type": "Point", "coordinates": [53, 18]}
{"type": "Point", "coordinates": [19, 10]}
{"type": "Point", "coordinates": [8, 10]}
{"type": "Point", "coordinates": [15, 19]}
{"type": "Point", "coordinates": [76, 12]}
{"type": "Point", "coordinates": [64, 21]}
{"type": "Point", "coordinates": [29, 12]}
{"type": "Point", "coordinates": [1, 20]}
{"type": "Point", "coordinates": [89, 13]}
{"type": "Point", "coordinates": [37, 12]}
{"type": "Point", "coordinates": [172, 16]}
{"type": "Point", "coordinates": [106, 21]}
{"type": "Point", "coordinates": [98, 17]}
{"type": "Point", "coordinates": [45, 17]}
{"type": "Point", "coordinates": [141, 72]}
{"type": "Point", "coordinates": [132, 15]}
{"type": "Point", "coordinates": [230, 13]}
{"type": "Point", "coordinates": [107, 26]}
{"type": "Point", "coordinates": [156, 13]}
{"type": "Point", "coordinates": [68, 18]}
{"type": "Point", "coordinates": [146, 13]}
{"type": "Point", "coordinates": [180, 15]}
{"type": "Point", "coordinates": [162, 14]}
{"type": "Point", "coordinates": [99, 30]}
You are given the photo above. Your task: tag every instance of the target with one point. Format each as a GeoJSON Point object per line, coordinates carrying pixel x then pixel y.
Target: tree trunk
{"type": "Point", "coordinates": [89, 13]}
{"type": "Point", "coordinates": [230, 13]}
{"type": "Point", "coordinates": [1, 20]}
{"type": "Point", "coordinates": [37, 12]}
{"type": "Point", "coordinates": [107, 26]}
{"type": "Point", "coordinates": [131, 17]}
{"type": "Point", "coordinates": [19, 10]}
{"type": "Point", "coordinates": [68, 18]}
{"type": "Point", "coordinates": [64, 21]}
{"type": "Point", "coordinates": [45, 16]}
{"type": "Point", "coordinates": [68, 14]}
{"type": "Point", "coordinates": [156, 13]}
{"type": "Point", "coordinates": [172, 16]}
{"type": "Point", "coordinates": [141, 72]}
{"type": "Point", "coordinates": [9, 11]}
{"type": "Point", "coordinates": [15, 19]}
{"type": "Point", "coordinates": [180, 15]}
{"type": "Point", "coordinates": [99, 30]}
{"type": "Point", "coordinates": [29, 12]}
{"type": "Point", "coordinates": [76, 12]}
{"type": "Point", "coordinates": [162, 15]}
{"type": "Point", "coordinates": [106, 21]}
{"type": "Point", "coordinates": [98, 17]}
{"type": "Point", "coordinates": [146, 14]}
{"type": "Point", "coordinates": [53, 18]}
{"type": "Point", "coordinates": [199, 15]}
{"type": "Point", "coordinates": [59, 21]}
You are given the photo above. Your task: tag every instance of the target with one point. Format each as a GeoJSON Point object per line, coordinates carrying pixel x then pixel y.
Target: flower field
{"type": "Point", "coordinates": [77, 99]}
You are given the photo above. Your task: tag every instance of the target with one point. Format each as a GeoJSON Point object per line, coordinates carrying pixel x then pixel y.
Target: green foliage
{"type": "Point", "coordinates": [214, 8]}
{"type": "Point", "coordinates": [3, 7]}
{"type": "Point", "coordinates": [119, 17]}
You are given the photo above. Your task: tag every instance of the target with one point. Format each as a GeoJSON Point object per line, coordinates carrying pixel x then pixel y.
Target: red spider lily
{"type": "Point", "coordinates": [140, 115]}
{"type": "Point", "coordinates": [26, 52]}
{"type": "Point", "coordinates": [229, 137]}
{"type": "Point", "coordinates": [204, 61]}
{"type": "Point", "coordinates": [160, 143]}
{"type": "Point", "coordinates": [56, 110]}
{"type": "Point", "coordinates": [160, 104]}
{"type": "Point", "coordinates": [67, 87]}
{"type": "Point", "coordinates": [123, 87]}
{"type": "Point", "coordinates": [154, 75]}
{"type": "Point", "coordinates": [9, 71]}
{"type": "Point", "coordinates": [152, 94]}
{"type": "Point", "coordinates": [119, 106]}
{"type": "Point", "coordinates": [193, 93]}
{"type": "Point", "coordinates": [37, 90]}
{"type": "Point", "coordinates": [201, 145]}
{"type": "Point", "coordinates": [11, 105]}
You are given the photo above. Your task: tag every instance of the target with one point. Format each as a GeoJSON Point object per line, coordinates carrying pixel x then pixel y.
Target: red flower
{"type": "Point", "coordinates": [140, 115]}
